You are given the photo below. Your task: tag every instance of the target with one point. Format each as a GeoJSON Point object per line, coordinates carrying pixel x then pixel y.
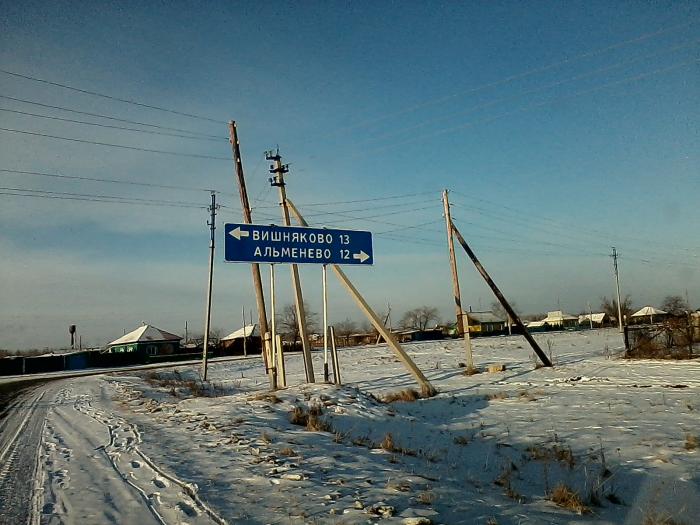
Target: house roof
{"type": "Point", "coordinates": [145, 333]}
{"type": "Point", "coordinates": [596, 318]}
{"type": "Point", "coordinates": [535, 324]}
{"type": "Point", "coordinates": [248, 330]}
{"type": "Point", "coordinates": [648, 310]}
{"type": "Point", "coordinates": [558, 316]}
{"type": "Point", "coordinates": [484, 317]}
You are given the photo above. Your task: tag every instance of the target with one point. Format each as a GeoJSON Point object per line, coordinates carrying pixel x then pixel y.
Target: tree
{"type": "Point", "coordinates": [420, 318]}
{"type": "Point", "coordinates": [675, 305]}
{"type": "Point", "coordinates": [289, 325]}
{"type": "Point", "coordinates": [343, 329]}
{"type": "Point", "coordinates": [497, 308]}
{"type": "Point", "coordinates": [610, 307]}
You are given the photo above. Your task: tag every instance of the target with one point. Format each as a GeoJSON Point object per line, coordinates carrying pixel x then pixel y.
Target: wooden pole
{"type": "Point", "coordinates": [282, 375]}
{"type": "Point", "coordinates": [462, 326]}
{"type": "Point", "coordinates": [245, 338]}
{"type": "Point", "coordinates": [334, 358]}
{"type": "Point", "coordinates": [427, 389]}
{"type": "Point", "coordinates": [501, 298]}
{"type": "Point", "coordinates": [453, 264]}
{"type": "Point", "coordinates": [207, 319]}
{"type": "Point", "coordinates": [279, 170]}
{"type": "Point", "coordinates": [325, 324]}
{"type": "Point", "coordinates": [273, 334]}
{"type": "Point", "coordinates": [247, 218]}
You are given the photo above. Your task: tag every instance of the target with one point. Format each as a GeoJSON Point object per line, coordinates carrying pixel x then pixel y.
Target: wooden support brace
{"type": "Point", "coordinates": [501, 298]}
{"type": "Point", "coordinates": [427, 390]}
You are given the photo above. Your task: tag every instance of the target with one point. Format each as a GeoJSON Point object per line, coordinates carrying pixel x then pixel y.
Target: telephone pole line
{"type": "Point", "coordinates": [617, 284]}
{"type": "Point", "coordinates": [212, 226]}
{"type": "Point", "coordinates": [247, 218]}
{"type": "Point", "coordinates": [278, 170]}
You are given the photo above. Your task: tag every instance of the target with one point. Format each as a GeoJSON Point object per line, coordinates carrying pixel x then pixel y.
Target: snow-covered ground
{"type": "Point", "coordinates": [489, 448]}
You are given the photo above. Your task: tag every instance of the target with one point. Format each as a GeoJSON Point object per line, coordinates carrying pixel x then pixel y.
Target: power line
{"type": "Point", "coordinates": [123, 128]}
{"type": "Point", "coordinates": [518, 76]}
{"type": "Point", "coordinates": [110, 97]}
{"type": "Point", "coordinates": [109, 117]}
{"type": "Point", "coordinates": [527, 107]}
{"type": "Point", "coordinates": [545, 87]}
{"type": "Point", "coordinates": [101, 196]}
{"type": "Point", "coordinates": [111, 201]}
{"type": "Point", "coordinates": [333, 203]}
{"type": "Point", "coordinates": [108, 144]}
{"type": "Point", "coordinates": [111, 181]}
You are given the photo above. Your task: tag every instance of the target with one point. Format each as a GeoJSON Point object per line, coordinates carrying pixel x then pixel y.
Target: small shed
{"type": "Point", "coordinates": [147, 340]}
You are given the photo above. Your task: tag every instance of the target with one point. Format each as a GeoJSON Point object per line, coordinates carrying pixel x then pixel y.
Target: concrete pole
{"type": "Point", "coordinates": [279, 170]}
{"type": "Point", "coordinates": [207, 320]}
{"type": "Point", "coordinates": [617, 284]}
{"type": "Point", "coordinates": [325, 323]}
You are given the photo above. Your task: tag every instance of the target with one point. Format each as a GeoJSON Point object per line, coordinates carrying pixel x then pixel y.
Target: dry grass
{"type": "Point", "coordinates": [388, 443]}
{"type": "Point", "coordinates": [569, 499]}
{"type": "Point", "coordinates": [310, 419]}
{"type": "Point", "coordinates": [265, 438]}
{"type": "Point", "coordinates": [408, 395]}
{"type": "Point", "coordinates": [556, 452]}
{"type": "Point", "coordinates": [425, 498]}
{"type": "Point", "coordinates": [654, 517]}
{"type": "Point", "coordinates": [461, 440]}
{"type": "Point", "coordinates": [266, 396]}
{"type": "Point", "coordinates": [288, 451]}
{"type": "Point", "coordinates": [471, 371]}
{"type": "Point", "coordinates": [496, 395]}
{"type": "Point", "coordinates": [178, 385]}
{"type": "Point", "coordinates": [691, 442]}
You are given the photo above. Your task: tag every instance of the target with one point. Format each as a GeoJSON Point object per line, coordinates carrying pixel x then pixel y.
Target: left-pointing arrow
{"type": "Point", "coordinates": [362, 256]}
{"type": "Point", "coordinates": [237, 233]}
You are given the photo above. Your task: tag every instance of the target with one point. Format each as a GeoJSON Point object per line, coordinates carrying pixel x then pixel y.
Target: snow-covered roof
{"type": "Point", "coordinates": [535, 324]}
{"type": "Point", "coordinates": [145, 333]}
{"type": "Point", "coordinates": [596, 318]}
{"type": "Point", "coordinates": [648, 310]}
{"type": "Point", "coordinates": [485, 317]}
{"type": "Point", "coordinates": [248, 330]}
{"type": "Point", "coordinates": [558, 316]}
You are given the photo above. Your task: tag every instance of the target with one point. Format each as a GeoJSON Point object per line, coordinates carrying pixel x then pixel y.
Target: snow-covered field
{"type": "Point", "coordinates": [489, 448]}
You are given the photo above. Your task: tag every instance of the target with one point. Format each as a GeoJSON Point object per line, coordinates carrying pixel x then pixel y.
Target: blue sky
{"type": "Point", "coordinates": [562, 128]}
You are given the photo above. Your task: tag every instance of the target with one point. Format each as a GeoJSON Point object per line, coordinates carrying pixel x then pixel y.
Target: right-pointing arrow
{"type": "Point", "coordinates": [362, 256]}
{"type": "Point", "coordinates": [237, 233]}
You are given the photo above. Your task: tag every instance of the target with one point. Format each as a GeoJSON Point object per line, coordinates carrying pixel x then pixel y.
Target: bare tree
{"type": "Point", "coordinates": [500, 312]}
{"type": "Point", "coordinates": [289, 325]}
{"type": "Point", "coordinates": [343, 329]}
{"type": "Point", "coordinates": [420, 318]}
{"type": "Point", "coordinates": [610, 307]}
{"type": "Point", "coordinates": [675, 305]}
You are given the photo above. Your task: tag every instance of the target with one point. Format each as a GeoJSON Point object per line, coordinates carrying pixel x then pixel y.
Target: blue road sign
{"type": "Point", "coordinates": [257, 243]}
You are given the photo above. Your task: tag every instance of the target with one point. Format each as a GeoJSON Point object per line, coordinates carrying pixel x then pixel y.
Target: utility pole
{"type": "Point", "coordinates": [462, 327]}
{"type": "Point", "coordinates": [245, 339]}
{"type": "Point", "coordinates": [245, 205]}
{"type": "Point", "coordinates": [278, 170]}
{"type": "Point", "coordinates": [590, 315]}
{"type": "Point", "coordinates": [617, 284]}
{"type": "Point", "coordinates": [207, 319]}
{"type": "Point", "coordinates": [453, 265]}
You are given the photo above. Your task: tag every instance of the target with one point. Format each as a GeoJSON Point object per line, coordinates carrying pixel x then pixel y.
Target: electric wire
{"type": "Point", "coordinates": [111, 145]}
{"type": "Point", "coordinates": [121, 128]}
{"type": "Point", "coordinates": [524, 108]}
{"type": "Point", "coordinates": [110, 181]}
{"type": "Point", "coordinates": [110, 201]}
{"type": "Point", "coordinates": [517, 76]}
{"type": "Point", "coordinates": [99, 196]}
{"type": "Point", "coordinates": [109, 97]}
{"type": "Point", "coordinates": [109, 117]}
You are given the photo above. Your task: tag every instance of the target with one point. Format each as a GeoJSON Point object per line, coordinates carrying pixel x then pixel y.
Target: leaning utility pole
{"type": "Point", "coordinates": [617, 284]}
{"type": "Point", "coordinates": [207, 320]}
{"type": "Point", "coordinates": [278, 170]}
{"type": "Point", "coordinates": [245, 205]}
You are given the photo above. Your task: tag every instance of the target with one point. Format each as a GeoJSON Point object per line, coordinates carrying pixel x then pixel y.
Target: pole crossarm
{"type": "Point", "coordinates": [501, 298]}
{"type": "Point", "coordinates": [427, 389]}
